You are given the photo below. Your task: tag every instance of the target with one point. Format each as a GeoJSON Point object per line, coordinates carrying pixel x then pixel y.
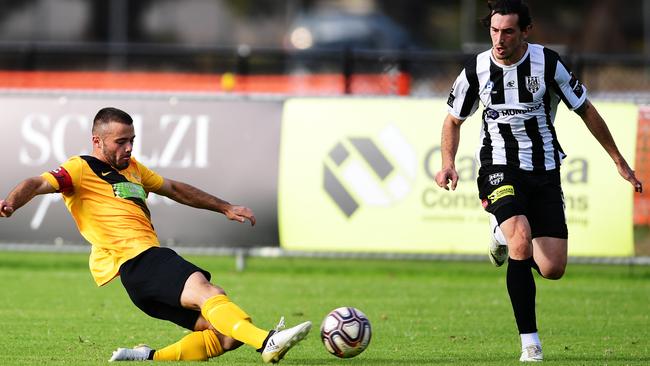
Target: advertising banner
{"type": "Point", "coordinates": [358, 175]}
{"type": "Point", "coordinates": [226, 147]}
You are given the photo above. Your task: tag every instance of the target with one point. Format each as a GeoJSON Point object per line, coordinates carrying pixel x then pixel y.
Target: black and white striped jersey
{"type": "Point", "coordinates": [520, 103]}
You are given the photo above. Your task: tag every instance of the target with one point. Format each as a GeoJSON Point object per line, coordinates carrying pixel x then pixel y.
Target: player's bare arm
{"type": "Point", "coordinates": [599, 130]}
{"type": "Point", "coordinates": [191, 196]}
{"type": "Point", "coordinates": [23, 193]}
{"type": "Point", "coordinates": [448, 149]}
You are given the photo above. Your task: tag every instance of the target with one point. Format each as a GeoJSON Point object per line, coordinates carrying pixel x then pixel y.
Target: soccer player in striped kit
{"type": "Point", "coordinates": [520, 85]}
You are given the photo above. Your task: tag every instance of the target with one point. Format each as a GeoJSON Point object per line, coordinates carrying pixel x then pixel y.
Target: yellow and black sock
{"type": "Point", "coordinates": [196, 346]}
{"type": "Point", "coordinates": [231, 321]}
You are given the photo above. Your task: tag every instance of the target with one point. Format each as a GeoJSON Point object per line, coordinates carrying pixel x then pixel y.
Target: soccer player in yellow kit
{"type": "Point", "coordinates": [105, 192]}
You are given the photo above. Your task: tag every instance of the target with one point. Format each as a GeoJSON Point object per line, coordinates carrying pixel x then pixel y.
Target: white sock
{"type": "Point", "coordinates": [497, 234]}
{"type": "Point", "coordinates": [528, 339]}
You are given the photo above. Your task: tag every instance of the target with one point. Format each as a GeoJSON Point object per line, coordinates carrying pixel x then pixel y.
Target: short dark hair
{"type": "Point", "coordinates": [505, 7]}
{"type": "Point", "coordinates": [110, 114]}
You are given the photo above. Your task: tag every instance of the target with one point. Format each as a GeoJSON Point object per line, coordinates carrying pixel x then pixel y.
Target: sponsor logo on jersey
{"type": "Point", "coordinates": [514, 112]}
{"type": "Point", "coordinates": [532, 83]}
{"type": "Point", "coordinates": [501, 192]}
{"type": "Point", "coordinates": [511, 84]}
{"type": "Point", "coordinates": [490, 113]}
{"type": "Point", "coordinates": [129, 190]}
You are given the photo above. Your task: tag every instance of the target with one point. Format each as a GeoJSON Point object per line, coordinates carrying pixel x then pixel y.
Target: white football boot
{"type": "Point", "coordinates": [281, 341]}
{"type": "Point", "coordinates": [532, 353]}
{"type": "Point", "coordinates": [498, 249]}
{"type": "Point", "coordinates": [137, 353]}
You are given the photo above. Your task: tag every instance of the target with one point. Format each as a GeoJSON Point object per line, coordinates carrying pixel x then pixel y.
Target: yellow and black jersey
{"type": "Point", "coordinates": [109, 207]}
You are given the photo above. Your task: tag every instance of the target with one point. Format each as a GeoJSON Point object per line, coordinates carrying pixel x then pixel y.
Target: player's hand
{"type": "Point", "coordinates": [446, 176]}
{"type": "Point", "coordinates": [5, 209]}
{"type": "Point", "coordinates": [628, 174]}
{"type": "Point", "coordinates": [240, 213]}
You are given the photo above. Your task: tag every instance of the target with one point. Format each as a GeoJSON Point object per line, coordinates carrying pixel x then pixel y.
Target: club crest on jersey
{"type": "Point", "coordinates": [495, 178]}
{"type": "Point", "coordinates": [532, 83]}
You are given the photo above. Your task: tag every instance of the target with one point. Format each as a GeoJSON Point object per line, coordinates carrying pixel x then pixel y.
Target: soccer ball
{"type": "Point", "coordinates": [345, 332]}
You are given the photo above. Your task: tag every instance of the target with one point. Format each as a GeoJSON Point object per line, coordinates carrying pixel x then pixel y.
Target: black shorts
{"type": "Point", "coordinates": [506, 192]}
{"type": "Point", "coordinates": [155, 279]}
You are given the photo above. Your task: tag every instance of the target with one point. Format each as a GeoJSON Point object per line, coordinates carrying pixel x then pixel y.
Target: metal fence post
{"type": "Point", "coordinates": [403, 75]}
{"type": "Point", "coordinates": [348, 70]}
{"type": "Point", "coordinates": [240, 260]}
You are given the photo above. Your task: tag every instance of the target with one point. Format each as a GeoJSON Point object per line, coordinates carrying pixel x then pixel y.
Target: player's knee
{"type": "Point", "coordinates": [519, 252]}
{"type": "Point", "coordinates": [519, 245]}
{"type": "Point", "coordinates": [523, 238]}
{"type": "Point", "coordinates": [229, 344]}
{"type": "Point", "coordinates": [215, 290]}
{"type": "Point", "coordinates": [553, 273]}
{"type": "Point", "coordinates": [202, 324]}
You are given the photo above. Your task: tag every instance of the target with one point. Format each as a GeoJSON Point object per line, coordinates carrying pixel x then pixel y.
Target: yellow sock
{"type": "Point", "coordinates": [231, 321]}
{"type": "Point", "coordinates": [196, 346]}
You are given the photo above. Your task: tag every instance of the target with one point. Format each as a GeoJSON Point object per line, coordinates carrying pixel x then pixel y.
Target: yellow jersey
{"type": "Point", "coordinates": [109, 208]}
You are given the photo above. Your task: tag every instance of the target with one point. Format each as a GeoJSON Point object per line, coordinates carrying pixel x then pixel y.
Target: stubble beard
{"type": "Point", "coordinates": [112, 160]}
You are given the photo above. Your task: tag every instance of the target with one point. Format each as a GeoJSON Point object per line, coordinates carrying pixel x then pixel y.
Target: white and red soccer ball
{"type": "Point", "coordinates": [345, 332]}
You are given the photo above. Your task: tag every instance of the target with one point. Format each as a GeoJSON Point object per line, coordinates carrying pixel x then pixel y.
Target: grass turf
{"type": "Point", "coordinates": [422, 312]}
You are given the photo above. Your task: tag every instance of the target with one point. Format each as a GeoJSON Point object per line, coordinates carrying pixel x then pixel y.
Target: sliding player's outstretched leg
{"type": "Point", "coordinates": [280, 340]}
{"type": "Point", "coordinates": [230, 320]}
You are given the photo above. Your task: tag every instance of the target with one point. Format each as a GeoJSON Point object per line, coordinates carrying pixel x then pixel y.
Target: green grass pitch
{"type": "Point", "coordinates": [422, 312]}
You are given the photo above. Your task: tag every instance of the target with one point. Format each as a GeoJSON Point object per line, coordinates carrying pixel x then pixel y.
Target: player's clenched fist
{"type": "Point", "coordinates": [5, 209]}
{"type": "Point", "coordinates": [446, 176]}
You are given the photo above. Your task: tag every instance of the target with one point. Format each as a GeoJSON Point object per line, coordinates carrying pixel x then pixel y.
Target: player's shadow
{"type": "Point", "coordinates": [370, 361]}
{"type": "Point", "coordinates": [472, 360]}
{"type": "Point", "coordinates": [599, 359]}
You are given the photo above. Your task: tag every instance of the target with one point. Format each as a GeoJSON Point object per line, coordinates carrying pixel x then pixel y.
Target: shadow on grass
{"type": "Point", "coordinates": [402, 360]}
{"type": "Point", "coordinates": [600, 359]}
{"type": "Point", "coordinates": [368, 361]}
{"type": "Point", "coordinates": [478, 359]}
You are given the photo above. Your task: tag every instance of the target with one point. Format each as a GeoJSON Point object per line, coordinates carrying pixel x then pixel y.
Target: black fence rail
{"type": "Point", "coordinates": [404, 72]}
